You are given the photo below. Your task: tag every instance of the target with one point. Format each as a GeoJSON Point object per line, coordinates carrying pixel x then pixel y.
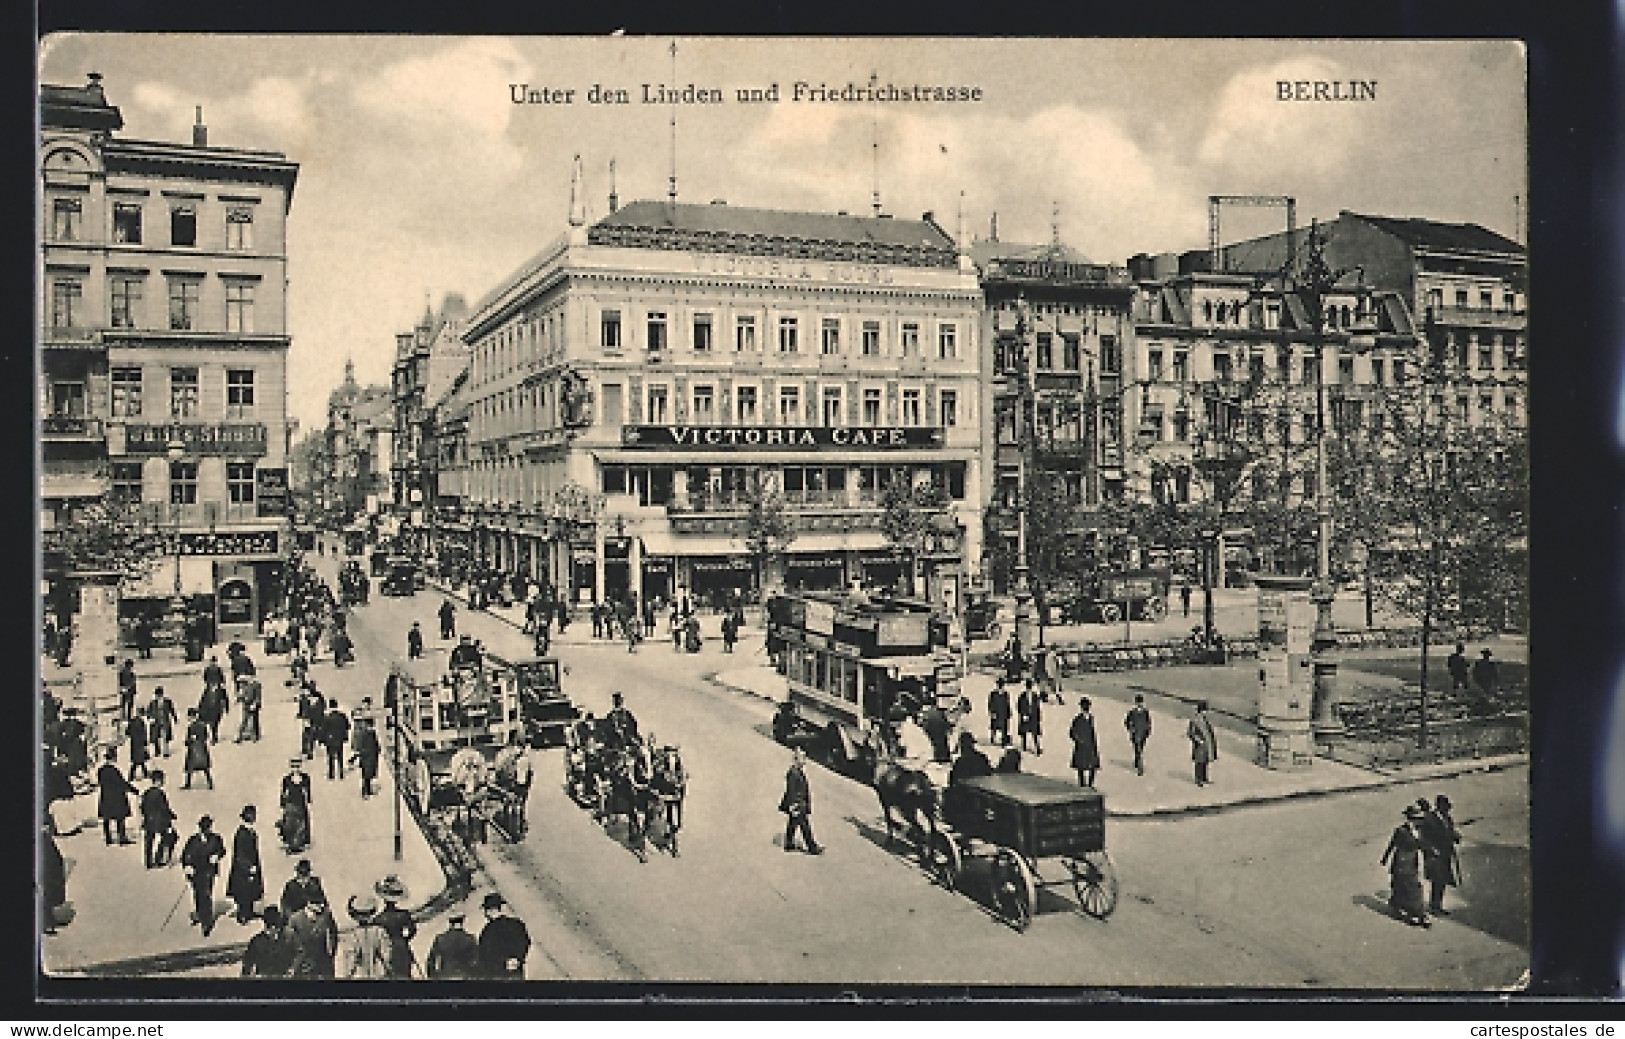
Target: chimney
{"type": "Point", "coordinates": [993, 228]}
{"type": "Point", "coordinates": [200, 133]}
{"type": "Point", "coordinates": [94, 85]}
{"type": "Point", "coordinates": [578, 204]}
{"type": "Point", "coordinates": [926, 216]}
{"type": "Point", "coordinates": [614, 199]}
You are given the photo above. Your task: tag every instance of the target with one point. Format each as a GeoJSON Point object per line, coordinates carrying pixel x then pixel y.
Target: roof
{"type": "Point", "coordinates": [1433, 234]}
{"type": "Point", "coordinates": [84, 108]}
{"type": "Point", "coordinates": [984, 249]}
{"type": "Point", "coordinates": [778, 223]}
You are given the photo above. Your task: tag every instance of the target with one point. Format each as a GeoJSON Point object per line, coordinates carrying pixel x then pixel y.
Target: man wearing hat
{"type": "Point", "coordinates": [504, 942]}
{"type": "Point", "coordinates": [163, 720]}
{"type": "Point", "coordinates": [1138, 724]}
{"type": "Point", "coordinates": [398, 924]}
{"type": "Point", "coordinates": [113, 798]}
{"type": "Point", "coordinates": [158, 823]}
{"type": "Point", "coordinates": [796, 804]}
{"type": "Point", "coordinates": [335, 734]}
{"type": "Point", "coordinates": [454, 954]}
{"type": "Point", "coordinates": [621, 722]}
{"type": "Point", "coordinates": [1204, 744]}
{"type": "Point", "coordinates": [1440, 861]}
{"type": "Point", "coordinates": [366, 953]}
{"type": "Point", "coordinates": [197, 749]}
{"type": "Point", "coordinates": [301, 889]}
{"type": "Point", "coordinates": [270, 953]}
{"type": "Point", "coordinates": [201, 860]}
{"type": "Point", "coordinates": [1085, 745]}
{"type": "Point", "coordinates": [316, 940]}
{"type": "Point", "coordinates": [1485, 677]}
{"type": "Point", "coordinates": [245, 884]}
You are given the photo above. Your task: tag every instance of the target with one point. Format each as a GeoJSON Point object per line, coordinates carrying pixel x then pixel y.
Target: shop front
{"type": "Point", "coordinates": [820, 572]}
{"type": "Point", "coordinates": [719, 580]}
{"type": "Point", "coordinates": [658, 578]}
{"type": "Point", "coordinates": [887, 568]}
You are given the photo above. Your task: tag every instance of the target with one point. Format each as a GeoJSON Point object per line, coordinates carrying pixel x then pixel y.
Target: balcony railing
{"type": "Point", "coordinates": [1477, 318]}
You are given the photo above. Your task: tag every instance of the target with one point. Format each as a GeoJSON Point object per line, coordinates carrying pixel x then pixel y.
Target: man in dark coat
{"type": "Point", "coordinates": [201, 860]}
{"type": "Point", "coordinates": [1485, 679]}
{"type": "Point", "coordinates": [796, 804]}
{"type": "Point", "coordinates": [398, 924]}
{"type": "Point", "coordinates": [1085, 747]}
{"type": "Point", "coordinates": [301, 889]}
{"type": "Point", "coordinates": [454, 954]}
{"type": "Point", "coordinates": [126, 690]}
{"type": "Point", "coordinates": [270, 953]}
{"type": "Point", "coordinates": [312, 713]}
{"type": "Point", "coordinates": [621, 722]}
{"type": "Point", "coordinates": [1030, 718]}
{"type": "Point", "coordinates": [315, 937]}
{"type": "Point", "coordinates": [335, 734]}
{"type": "Point", "coordinates": [158, 824]}
{"type": "Point", "coordinates": [197, 749]}
{"type": "Point", "coordinates": [448, 619]}
{"type": "Point", "coordinates": [1456, 664]}
{"type": "Point", "coordinates": [245, 884]}
{"type": "Point", "coordinates": [414, 642]}
{"type": "Point", "coordinates": [143, 636]}
{"type": "Point", "coordinates": [1441, 863]}
{"type": "Point", "coordinates": [211, 707]}
{"type": "Point", "coordinates": [504, 942]}
{"type": "Point", "coordinates": [113, 798]}
{"type": "Point", "coordinates": [135, 731]}
{"type": "Point", "coordinates": [213, 673]}
{"type": "Point", "coordinates": [162, 720]}
{"type": "Point", "coordinates": [998, 714]}
{"type": "Point", "coordinates": [1138, 724]}
{"type": "Point", "coordinates": [367, 753]}
{"type": "Point", "coordinates": [294, 800]}
{"type": "Point", "coordinates": [1204, 744]}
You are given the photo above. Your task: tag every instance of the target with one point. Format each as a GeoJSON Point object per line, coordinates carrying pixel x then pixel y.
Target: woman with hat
{"type": "Point", "coordinates": [197, 749]}
{"type": "Point", "coordinates": [245, 884]}
{"type": "Point", "coordinates": [294, 826]}
{"type": "Point", "coordinates": [1403, 857]}
{"type": "Point", "coordinates": [398, 924]}
{"type": "Point", "coordinates": [366, 952]}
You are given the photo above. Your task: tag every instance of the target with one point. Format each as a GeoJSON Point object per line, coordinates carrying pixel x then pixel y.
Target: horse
{"type": "Point", "coordinates": [629, 794]}
{"type": "Point", "coordinates": [669, 782]}
{"type": "Point", "coordinates": [908, 790]}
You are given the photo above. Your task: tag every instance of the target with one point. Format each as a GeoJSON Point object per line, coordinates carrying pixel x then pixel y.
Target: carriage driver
{"type": "Point", "coordinates": [622, 723]}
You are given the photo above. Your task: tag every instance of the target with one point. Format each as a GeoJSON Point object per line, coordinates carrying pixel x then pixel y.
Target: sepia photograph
{"type": "Point", "coordinates": [869, 511]}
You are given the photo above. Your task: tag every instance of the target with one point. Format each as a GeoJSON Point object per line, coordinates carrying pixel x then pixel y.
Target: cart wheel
{"type": "Point", "coordinates": [994, 631]}
{"type": "Point", "coordinates": [941, 858]}
{"type": "Point", "coordinates": [1014, 892]}
{"type": "Point", "coordinates": [1110, 613]}
{"type": "Point", "coordinates": [1095, 882]}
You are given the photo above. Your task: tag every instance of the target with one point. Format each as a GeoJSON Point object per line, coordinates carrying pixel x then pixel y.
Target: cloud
{"type": "Point", "coordinates": [1115, 198]}
{"type": "Point", "coordinates": [1254, 135]}
{"type": "Point", "coordinates": [274, 112]}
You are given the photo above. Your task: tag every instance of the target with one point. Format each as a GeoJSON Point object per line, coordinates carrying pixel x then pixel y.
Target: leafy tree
{"type": "Point", "coordinates": [769, 530]}
{"type": "Point", "coordinates": [913, 514]}
{"type": "Point", "coordinates": [106, 535]}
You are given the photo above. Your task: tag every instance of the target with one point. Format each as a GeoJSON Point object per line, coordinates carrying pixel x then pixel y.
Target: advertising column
{"type": "Point", "coordinates": [1286, 621]}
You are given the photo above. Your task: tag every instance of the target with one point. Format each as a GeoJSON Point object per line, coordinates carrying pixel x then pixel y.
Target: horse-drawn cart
{"type": "Point", "coordinates": [1017, 820]}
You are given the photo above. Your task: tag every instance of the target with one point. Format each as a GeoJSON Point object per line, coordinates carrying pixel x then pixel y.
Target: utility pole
{"type": "Point", "coordinates": [1026, 440]}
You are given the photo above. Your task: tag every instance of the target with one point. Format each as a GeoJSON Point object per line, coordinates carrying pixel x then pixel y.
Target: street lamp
{"type": "Point", "coordinates": [175, 450]}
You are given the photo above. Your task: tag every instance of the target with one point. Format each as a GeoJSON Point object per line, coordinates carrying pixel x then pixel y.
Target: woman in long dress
{"type": "Point", "coordinates": [1403, 857]}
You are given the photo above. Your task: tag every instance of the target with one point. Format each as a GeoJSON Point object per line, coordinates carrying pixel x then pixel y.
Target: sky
{"type": "Point", "coordinates": [419, 175]}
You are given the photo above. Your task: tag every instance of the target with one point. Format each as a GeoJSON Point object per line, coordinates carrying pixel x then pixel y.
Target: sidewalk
{"type": "Point", "coordinates": [121, 907]}
{"type": "Point", "coordinates": [579, 633]}
{"type": "Point", "coordinates": [1168, 786]}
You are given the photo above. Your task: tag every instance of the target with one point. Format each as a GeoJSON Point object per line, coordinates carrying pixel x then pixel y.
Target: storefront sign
{"type": "Point", "coordinates": [703, 566]}
{"type": "Point", "coordinates": [229, 543]}
{"type": "Point", "coordinates": [657, 566]}
{"type": "Point", "coordinates": [246, 438]}
{"type": "Point", "coordinates": [236, 602]}
{"type": "Point", "coordinates": [815, 562]}
{"type": "Point", "coordinates": [780, 438]}
{"type": "Point", "coordinates": [271, 491]}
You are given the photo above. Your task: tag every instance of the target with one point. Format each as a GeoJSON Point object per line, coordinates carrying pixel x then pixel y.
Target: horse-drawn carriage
{"type": "Point", "coordinates": [1012, 821]}
{"type": "Point", "coordinates": [642, 782]}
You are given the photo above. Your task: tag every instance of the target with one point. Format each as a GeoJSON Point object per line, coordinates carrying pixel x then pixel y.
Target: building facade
{"type": "Point", "coordinates": [427, 361]}
{"type": "Point", "coordinates": [358, 448]}
{"type": "Point", "coordinates": [634, 388]}
{"type": "Point", "coordinates": [164, 346]}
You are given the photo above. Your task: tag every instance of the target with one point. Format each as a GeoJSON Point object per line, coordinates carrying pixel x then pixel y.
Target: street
{"type": "Point", "coordinates": [1281, 895]}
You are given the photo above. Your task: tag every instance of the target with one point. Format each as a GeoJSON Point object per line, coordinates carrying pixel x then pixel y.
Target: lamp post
{"type": "Point", "coordinates": [175, 450]}
{"type": "Point", "coordinates": [1025, 436]}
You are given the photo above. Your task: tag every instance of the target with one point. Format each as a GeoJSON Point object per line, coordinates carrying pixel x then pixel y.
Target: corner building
{"type": "Point", "coordinates": [674, 359]}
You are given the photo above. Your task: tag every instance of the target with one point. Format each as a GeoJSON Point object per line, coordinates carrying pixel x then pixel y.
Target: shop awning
{"type": "Point", "coordinates": [197, 578]}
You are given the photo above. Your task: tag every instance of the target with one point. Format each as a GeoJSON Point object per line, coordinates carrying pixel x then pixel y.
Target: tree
{"type": "Point", "coordinates": [911, 519]}
{"type": "Point", "coordinates": [105, 535]}
{"type": "Point", "coordinates": [769, 530]}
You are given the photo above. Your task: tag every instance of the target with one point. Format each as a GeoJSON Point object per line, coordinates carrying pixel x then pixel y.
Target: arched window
{"type": "Point", "coordinates": [1207, 311]}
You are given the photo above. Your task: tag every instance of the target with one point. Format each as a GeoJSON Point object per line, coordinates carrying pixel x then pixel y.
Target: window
{"type": "Point", "coordinates": [871, 407]}
{"type": "Point", "coordinates": [1046, 352]}
{"type": "Point", "coordinates": [609, 330]}
{"type": "Point", "coordinates": [1399, 372]}
{"type": "Point", "coordinates": [1486, 353]}
{"type": "Point", "coordinates": [659, 406]}
{"type": "Point", "coordinates": [745, 334]}
{"type": "Point", "coordinates": [239, 392]}
{"type": "Point", "coordinates": [239, 228]}
{"type": "Point", "coordinates": [124, 293]}
{"type": "Point", "coordinates": [127, 481]}
{"type": "Point", "coordinates": [1462, 407]}
{"type": "Point", "coordinates": [787, 335]}
{"type": "Point", "coordinates": [240, 482]}
{"type": "Point", "coordinates": [1153, 365]}
{"type": "Point", "coordinates": [183, 483]}
{"type": "Point", "coordinates": [830, 341]}
{"type": "Point", "coordinates": [1309, 371]}
{"type": "Point", "coordinates": [65, 213]}
{"type": "Point", "coordinates": [1486, 405]}
{"type": "Point", "coordinates": [68, 399]}
{"type": "Point", "coordinates": [832, 405]}
{"type": "Point", "coordinates": [1071, 352]}
{"type": "Point", "coordinates": [702, 333]}
{"type": "Point", "coordinates": [789, 406]}
{"type": "Point", "coordinates": [612, 415]}
{"type": "Point", "coordinates": [1182, 366]}
{"type": "Point", "coordinates": [126, 401]}
{"type": "Point", "coordinates": [949, 408]}
{"type": "Point", "coordinates": [1221, 367]}
{"type": "Point", "coordinates": [1486, 300]}
{"type": "Point", "coordinates": [1182, 424]}
{"type": "Point", "coordinates": [1111, 358]}
{"type": "Point", "coordinates": [911, 338]}
{"type": "Point", "coordinates": [911, 408]}
{"type": "Point", "coordinates": [1509, 301]}
{"type": "Point", "coordinates": [745, 404]}
{"type": "Point", "coordinates": [947, 342]}
{"type": "Point", "coordinates": [1378, 374]}
{"type": "Point", "coordinates": [704, 406]}
{"type": "Point", "coordinates": [657, 331]}
{"type": "Point", "coordinates": [1461, 298]}
{"type": "Point", "coordinates": [127, 222]}
{"type": "Point", "coordinates": [183, 225]}
{"type": "Point", "coordinates": [1345, 371]}
{"type": "Point", "coordinates": [1151, 423]}
{"type": "Point", "coordinates": [239, 306]}
{"type": "Point", "coordinates": [67, 295]}
{"type": "Point", "coordinates": [1272, 316]}
{"type": "Point", "coordinates": [1435, 299]}
{"type": "Point", "coordinates": [1207, 311]}
{"type": "Point", "coordinates": [183, 303]}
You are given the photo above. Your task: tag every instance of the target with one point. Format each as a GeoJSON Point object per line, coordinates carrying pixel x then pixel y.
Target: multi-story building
{"type": "Point", "coordinates": [164, 347]}
{"type": "Point", "coordinates": [672, 361]}
{"type": "Point", "coordinates": [1059, 329]}
{"type": "Point", "coordinates": [358, 446]}
{"type": "Point", "coordinates": [427, 360]}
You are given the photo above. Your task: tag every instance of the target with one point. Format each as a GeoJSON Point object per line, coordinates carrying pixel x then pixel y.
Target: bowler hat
{"type": "Point", "coordinates": [1413, 812]}
{"type": "Point", "coordinates": [491, 901]}
{"type": "Point", "coordinates": [390, 888]}
{"type": "Point", "coordinates": [303, 868]}
{"type": "Point", "coordinates": [363, 905]}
